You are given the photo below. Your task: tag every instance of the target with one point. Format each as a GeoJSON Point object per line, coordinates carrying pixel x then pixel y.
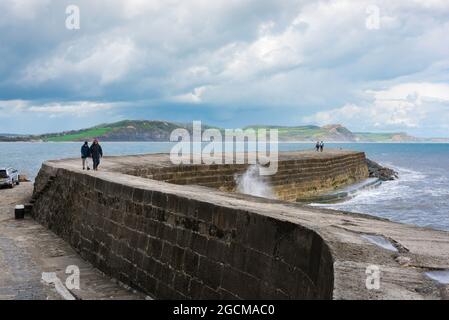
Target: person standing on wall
{"type": "Point", "coordinates": [321, 146]}
{"type": "Point", "coordinates": [96, 152]}
{"type": "Point", "coordinates": [85, 154]}
{"type": "Point", "coordinates": [317, 146]}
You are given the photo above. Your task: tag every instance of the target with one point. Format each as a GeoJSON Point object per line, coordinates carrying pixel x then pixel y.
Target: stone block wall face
{"type": "Point", "coordinates": [298, 179]}
{"type": "Point", "coordinates": [295, 179]}
{"type": "Point", "coordinates": [173, 247]}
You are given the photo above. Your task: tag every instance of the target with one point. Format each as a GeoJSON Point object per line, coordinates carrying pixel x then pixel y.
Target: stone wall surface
{"type": "Point", "coordinates": [170, 246]}
{"type": "Point", "coordinates": [295, 178]}
{"type": "Point", "coordinates": [187, 241]}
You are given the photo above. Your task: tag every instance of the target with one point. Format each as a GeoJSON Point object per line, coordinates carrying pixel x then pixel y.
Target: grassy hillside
{"type": "Point", "coordinates": [295, 132]}
{"type": "Point", "coordinates": [143, 130]}
{"type": "Point", "coordinates": [312, 133]}
{"type": "Point", "coordinates": [86, 134]}
{"type": "Point", "coordinates": [127, 130]}
{"type": "Point", "coordinates": [383, 137]}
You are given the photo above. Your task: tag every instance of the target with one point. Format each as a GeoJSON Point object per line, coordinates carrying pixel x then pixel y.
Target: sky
{"type": "Point", "coordinates": [370, 65]}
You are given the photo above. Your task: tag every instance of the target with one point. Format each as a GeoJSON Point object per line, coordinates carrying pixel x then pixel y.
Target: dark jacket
{"type": "Point", "coordinates": [96, 151]}
{"type": "Point", "coordinates": [85, 151]}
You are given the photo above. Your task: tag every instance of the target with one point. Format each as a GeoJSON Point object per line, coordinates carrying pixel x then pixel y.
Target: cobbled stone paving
{"type": "Point", "coordinates": [22, 284]}
{"type": "Point", "coordinates": [27, 249]}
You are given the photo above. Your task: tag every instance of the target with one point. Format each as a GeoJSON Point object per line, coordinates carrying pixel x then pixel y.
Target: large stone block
{"type": "Point", "coordinates": [191, 263]}
{"type": "Point", "coordinates": [155, 248]}
{"type": "Point", "coordinates": [210, 272]}
{"type": "Point", "coordinates": [245, 285]}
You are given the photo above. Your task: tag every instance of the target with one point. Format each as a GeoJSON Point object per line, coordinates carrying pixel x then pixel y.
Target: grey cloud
{"type": "Point", "coordinates": [298, 56]}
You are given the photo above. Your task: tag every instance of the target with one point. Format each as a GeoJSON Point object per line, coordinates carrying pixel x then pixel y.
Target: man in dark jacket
{"type": "Point", "coordinates": [85, 153]}
{"type": "Point", "coordinates": [96, 153]}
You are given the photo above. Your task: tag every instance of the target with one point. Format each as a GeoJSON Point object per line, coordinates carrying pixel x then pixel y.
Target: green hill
{"type": "Point", "coordinates": [145, 130]}
{"type": "Point", "coordinates": [384, 137]}
{"type": "Point", "coordinates": [312, 133]}
{"type": "Point", "coordinates": [127, 130]}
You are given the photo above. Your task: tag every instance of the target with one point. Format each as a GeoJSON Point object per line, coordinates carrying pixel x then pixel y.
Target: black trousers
{"type": "Point", "coordinates": [96, 161]}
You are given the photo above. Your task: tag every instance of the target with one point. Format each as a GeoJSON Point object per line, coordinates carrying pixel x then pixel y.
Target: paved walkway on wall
{"type": "Point", "coordinates": [161, 160]}
{"type": "Point", "coordinates": [28, 249]}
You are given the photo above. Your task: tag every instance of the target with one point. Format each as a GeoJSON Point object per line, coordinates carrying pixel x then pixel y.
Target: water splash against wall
{"type": "Point", "coordinates": [253, 184]}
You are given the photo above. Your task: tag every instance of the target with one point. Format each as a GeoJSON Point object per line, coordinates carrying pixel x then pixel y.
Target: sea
{"type": "Point", "coordinates": [420, 196]}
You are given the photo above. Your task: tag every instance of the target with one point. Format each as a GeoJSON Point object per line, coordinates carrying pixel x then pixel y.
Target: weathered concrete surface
{"type": "Point", "coordinates": [207, 243]}
{"type": "Point", "coordinates": [27, 249]}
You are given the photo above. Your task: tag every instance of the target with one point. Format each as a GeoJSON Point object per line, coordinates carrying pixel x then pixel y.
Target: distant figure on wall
{"type": "Point", "coordinates": [321, 146]}
{"type": "Point", "coordinates": [96, 153]}
{"type": "Point", "coordinates": [317, 146]}
{"type": "Point", "coordinates": [85, 154]}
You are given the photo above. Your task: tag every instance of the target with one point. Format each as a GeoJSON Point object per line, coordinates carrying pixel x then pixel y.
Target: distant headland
{"type": "Point", "coordinates": [159, 131]}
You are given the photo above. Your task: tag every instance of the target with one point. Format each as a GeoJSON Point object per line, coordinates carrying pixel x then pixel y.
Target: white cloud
{"type": "Point", "coordinates": [74, 108]}
{"type": "Point", "coordinates": [22, 9]}
{"type": "Point", "coordinates": [133, 8]}
{"type": "Point", "coordinates": [81, 108]}
{"type": "Point", "coordinates": [108, 62]}
{"type": "Point", "coordinates": [414, 91]}
{"type": "Point", "coordinates": [12, 106]}
{"type": "Point", "coordinates": [270, 53]}
{"type": "Point", "coordinates": [432, 4]}
{"type": "Point", "coordinates": [403, 106]}
{"type": "Point", "coordinates": [192, 97]}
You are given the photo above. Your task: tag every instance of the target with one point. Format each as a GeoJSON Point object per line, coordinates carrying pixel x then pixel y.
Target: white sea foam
{"type": "Point", "coordinates": [407, 174]}
{"type": "Point", "coordinates": [388, 191]}
{"type": "Point", "coordinates": [417, 197]}
{"type": "Point", "coordinates": [437, 192]}
{"type": "Point", "coordinates": [253, 184]}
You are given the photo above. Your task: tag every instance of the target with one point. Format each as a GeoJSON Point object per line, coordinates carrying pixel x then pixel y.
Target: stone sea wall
{"type": "Point", "coordinates": [172, 245]}
{"type": "Point", "coordinates": [295, 179]}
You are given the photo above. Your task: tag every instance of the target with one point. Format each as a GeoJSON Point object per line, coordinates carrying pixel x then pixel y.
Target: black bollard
{"type": "Point", "coordinates": [19, 212]}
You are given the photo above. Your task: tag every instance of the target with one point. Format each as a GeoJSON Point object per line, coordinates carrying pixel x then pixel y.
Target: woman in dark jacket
{"type": "Point", "coordinates": [96, 153]}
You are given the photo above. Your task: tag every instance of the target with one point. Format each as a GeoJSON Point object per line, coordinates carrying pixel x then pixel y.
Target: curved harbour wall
{"type": "Point", "coordinates": [173, 246]}
{"type": "Point", "coordinates": [297, 176]}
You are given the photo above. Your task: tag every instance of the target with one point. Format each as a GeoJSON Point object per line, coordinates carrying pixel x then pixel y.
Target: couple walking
{"type": "Point", "coordinates": [319, 146]}
{"type": "Point", "coordinates": [94, 151]}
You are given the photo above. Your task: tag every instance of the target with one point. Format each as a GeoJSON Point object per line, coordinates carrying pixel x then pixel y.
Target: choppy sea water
{"type": "Point", "coordinates": [420, 196]}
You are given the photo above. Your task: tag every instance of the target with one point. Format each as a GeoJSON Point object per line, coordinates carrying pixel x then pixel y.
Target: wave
{"type": "Point", "coordinates": [387, 191]}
